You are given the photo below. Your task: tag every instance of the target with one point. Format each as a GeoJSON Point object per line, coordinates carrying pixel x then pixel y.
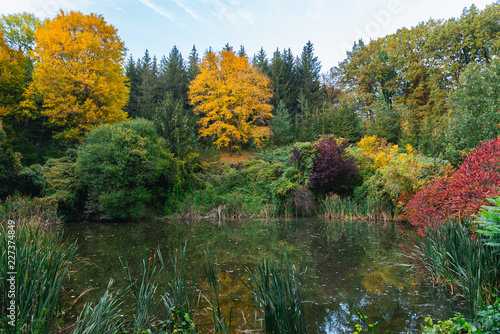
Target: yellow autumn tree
{"type": "Point", "coordinates": [12, 78]}
{"type": "Point", "coordinates": [231, 98]}
{"type": "Point", "coordinates": [78, 78]}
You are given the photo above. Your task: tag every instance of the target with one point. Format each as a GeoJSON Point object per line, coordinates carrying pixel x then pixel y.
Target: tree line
{"type": "Point", "coordinates": [433, 86]}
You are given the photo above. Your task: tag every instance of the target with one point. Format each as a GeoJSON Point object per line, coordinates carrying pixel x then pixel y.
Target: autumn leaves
{"type": "Point", "coordinates": [231, 98]}
{"type": "Point", "coordinates": [78, 78]}
{"type": "Point", "coordinates": [79, 83]}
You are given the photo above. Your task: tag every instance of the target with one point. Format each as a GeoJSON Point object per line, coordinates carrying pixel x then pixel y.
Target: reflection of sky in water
{"type": "Point", "coordinates": [349, 263]}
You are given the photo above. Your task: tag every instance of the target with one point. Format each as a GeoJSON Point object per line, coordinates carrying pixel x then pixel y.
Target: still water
{"type": "Point", "coordinates": [349, 264]}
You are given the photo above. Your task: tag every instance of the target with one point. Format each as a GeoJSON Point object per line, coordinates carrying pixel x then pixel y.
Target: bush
{"type": "Point", "coordinates": [125, 167]}
{"type": "Point", "coordinates": [63, 186]}
{"type": "Point", "coordinates": [333, 170]}
{"type": "Point", "coordinates": [463, 193]}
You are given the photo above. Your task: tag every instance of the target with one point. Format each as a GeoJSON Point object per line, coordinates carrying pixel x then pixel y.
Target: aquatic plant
{"type": "Point", "coordinates": [42, 261]}
{"type": "Point", "coordinates": [276, 289]}
{"type": "Point", "coordinates": [460, 262]}
{"type": "Point", "coordinates": [31, 210]}
{"type": "Point", "coordinates": [334, 206]}
{"type": "Point", "coordinates": [105, 317]}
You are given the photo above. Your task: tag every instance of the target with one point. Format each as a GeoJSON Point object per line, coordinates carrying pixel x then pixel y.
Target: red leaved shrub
{"type": "Point", "coordinates": [462, 194]}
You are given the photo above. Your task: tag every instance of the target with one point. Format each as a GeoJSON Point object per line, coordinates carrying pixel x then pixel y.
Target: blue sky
{"type": "Point", "coordinates": [331, 25]}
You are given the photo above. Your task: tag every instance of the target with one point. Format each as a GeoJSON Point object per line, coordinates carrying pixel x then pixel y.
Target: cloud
{"type": "Point", "coordinates": [41, 8]}
{"type": "Point", "coordinates": [159, 10]}
{"type": "Point", "coordinates": [231, 10]}
{"type": "Point", "coordinates": [188, 10]}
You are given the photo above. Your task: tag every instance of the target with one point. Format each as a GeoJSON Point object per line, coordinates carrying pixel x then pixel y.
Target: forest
{"type": "Point", "coordinates": [406, 127]}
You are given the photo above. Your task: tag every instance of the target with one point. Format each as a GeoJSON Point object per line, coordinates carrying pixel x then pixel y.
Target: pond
{"type": "Point", "coordinates": [349, 264]}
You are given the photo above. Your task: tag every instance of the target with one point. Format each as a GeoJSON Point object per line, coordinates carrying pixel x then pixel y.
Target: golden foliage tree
{"type": "Point", "coordinates": [78, 74]}
{"type": "Point", "coordinates": [12, 77]}
{"type": "Point", "coordinates": [231, 98]}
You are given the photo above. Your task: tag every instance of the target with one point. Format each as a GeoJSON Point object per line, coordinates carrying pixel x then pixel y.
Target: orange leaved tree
{"type": "Point", "coordinates": [231, 98]}
{"type": "Point", "coordinates": [78, 80]}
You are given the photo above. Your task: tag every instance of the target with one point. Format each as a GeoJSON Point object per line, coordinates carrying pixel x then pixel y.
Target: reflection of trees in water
{"type": "Point", "coordinates": [370, 275]}
{"type": "Point", "coordinates": [358, 259]}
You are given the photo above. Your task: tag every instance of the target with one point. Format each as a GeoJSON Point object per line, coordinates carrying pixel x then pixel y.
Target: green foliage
{"type": "Point", "coordinates": [455, 259]}
{"type": "Point", "coordinates": [334, 206]}
{"type": "Point", "coordinates": [42, 261]}
{"type": "Point", "coordinates": [38, 211]}
{"type": "Point", "coordinates": [125, 167]}
{"type": "Point", "coordinates": [63, 185]}
{"type": "Point", "coordinates": [488, 220]}
{"type": "Point", "coordinates": [104, 317]}
{"type": "Point", "coordinates": [474, 113]}
{"type": "Point", "coordinates": [488, 318]}
{"type": "Point", "coordinates": [456, 325]}
{"type": "Point", "coordinates": [281, 126]}
{"type": "Point", "coordinates": [176, 125]}
{"type": "Point", "coordinates": [276, 289]}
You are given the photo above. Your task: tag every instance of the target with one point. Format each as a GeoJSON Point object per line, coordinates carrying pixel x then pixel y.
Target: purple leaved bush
{"type": "Point", "coordinates": [333, 170]}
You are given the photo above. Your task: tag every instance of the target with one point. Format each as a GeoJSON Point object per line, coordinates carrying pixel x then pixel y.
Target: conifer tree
{"type": "Point", "coordinates": [193, 68]}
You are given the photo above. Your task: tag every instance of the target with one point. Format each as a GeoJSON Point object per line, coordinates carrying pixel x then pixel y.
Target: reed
{"type": "Point", "coordinates": [178, 294]}
{"type": "Point", "coordinates": [143, 290]}
{"type": "Point", "coordinates": [28, 210]}
{"type": "Point", "coordinates": [459, 261]}
{"type": "Point", "coordinates": [336, 207]}
{"type": "Point", "coordinates": [276, 289]}
{"type": "Point", "coordinates": [104, 318]}
{"type": "Point", "coordinates": [42, 263]}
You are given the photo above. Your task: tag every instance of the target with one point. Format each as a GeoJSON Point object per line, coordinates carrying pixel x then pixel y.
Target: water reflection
{"type": "Point", "coordinates": [349, 263]}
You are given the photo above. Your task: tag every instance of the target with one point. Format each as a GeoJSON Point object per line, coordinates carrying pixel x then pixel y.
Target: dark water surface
{"type": "Point", "coordinates": [349, 263]}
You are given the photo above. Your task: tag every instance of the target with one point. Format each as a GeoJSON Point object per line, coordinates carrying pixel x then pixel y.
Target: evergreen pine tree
{"type": "Point", "coordinates": [281, 125]}
{"type": "Point", "coordinates": [193, 64]}
{"type": "Point", "coordinates": [260, 61]}
{"type": "Point", "coordinates": [308, 71]}
{"type": "Point", "coordinates": [174, 76]}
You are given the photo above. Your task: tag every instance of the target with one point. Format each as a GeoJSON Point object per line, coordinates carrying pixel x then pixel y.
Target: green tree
{"type": "Point", "coordinates": [173, 77]}
{"type": "Point", "coordinates": [261, 62]}
{"type": "Point", "coordinates": [133, 73]}
{"type": "Point", "coordinates": [176, 124]}
{"type": "Point", "coordinates": [474, 115]}
{"type": "Point", "coordinates": [308, 72]}
{"type": "Point", "coordinates": [148, 88]}
{"type": "Point", "coordinates": [193, 68]}
{"type": "Point", "coordinates": [284, 80]}
{"type": "Point", "coordinates": [125, 167]}
{"type": "Point", "coordinates": [281, 126]}
{"type": "Point", "coordinates": [20, 31]}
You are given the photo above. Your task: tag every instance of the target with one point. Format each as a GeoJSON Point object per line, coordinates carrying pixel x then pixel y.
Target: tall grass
{"type": "Point", "coordinates": [178, 295]}
{"type": "Point", "coordinates": [27, 209]}
{"type": "Point", "coordinates": [335, 206]}
{"type": "Point", "coordinates": [104, 318]}
{"type": "Point", "coordinates": [276, 288]}
{"type": "Point", "coordinates": [222, 324]}
{"type": "Point", "coordinates": [42, 262]}
{"type": "Point", "coordinates": [457, 260]}
{"type": "Point", "coordinates": [143, 290]}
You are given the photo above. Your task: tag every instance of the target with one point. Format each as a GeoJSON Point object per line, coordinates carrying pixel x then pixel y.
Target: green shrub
{"type": "Point", "coordinates": [456, 325]}
{"type": "Point", "coordinates": [126, 167]}
{"type": "Point", "coordinates": [63, 185]}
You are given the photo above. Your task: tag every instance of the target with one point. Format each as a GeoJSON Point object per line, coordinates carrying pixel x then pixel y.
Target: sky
{"type": "Point", "coordinates": [331, 25]}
